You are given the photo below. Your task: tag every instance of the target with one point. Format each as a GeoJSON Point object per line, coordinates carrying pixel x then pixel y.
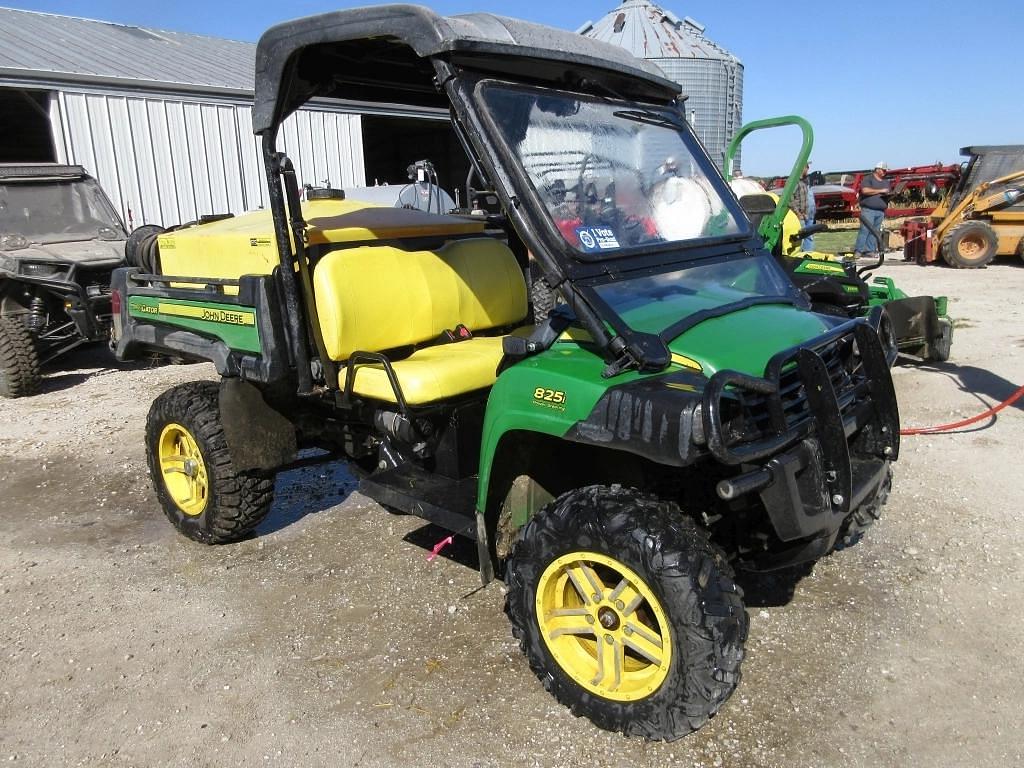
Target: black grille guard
{"type": "Point", "coordinates": [826, 415]}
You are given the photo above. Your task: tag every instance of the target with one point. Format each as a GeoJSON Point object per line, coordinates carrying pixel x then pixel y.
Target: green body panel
{"type": "Point", "coordinates": [883, 290]}
{"type": "Point", "coordinates": [742, 341]}
{"type": "Point", "coordinates": [567, 369]}
{"type": "Point", "coordinates": [745, 341]}
{"type": "Point", "coordinates": [818, 267]}
{"type": "Point", "coordinates": [235, 325]}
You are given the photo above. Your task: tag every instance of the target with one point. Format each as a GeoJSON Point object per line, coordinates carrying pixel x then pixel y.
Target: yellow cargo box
{"type": "Point", "coordinates": [245, 245]}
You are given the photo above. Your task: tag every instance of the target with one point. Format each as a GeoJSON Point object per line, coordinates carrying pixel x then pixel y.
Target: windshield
{"type": "Point", "coordinates": [613, 175]}
{"type": "Point", "coordinates": [657, 302]}
{"type": "Point", "coordinates": [57, 211]}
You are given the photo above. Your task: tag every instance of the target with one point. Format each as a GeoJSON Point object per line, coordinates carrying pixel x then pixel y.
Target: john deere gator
{"type": "Point", "coordinates": [680, 412]}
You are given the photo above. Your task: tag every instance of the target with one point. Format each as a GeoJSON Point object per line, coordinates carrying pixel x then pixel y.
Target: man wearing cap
{"type": "Point", "coordinates": [874, 199]}
{"type": "Point", "coordinates": [803, 206]}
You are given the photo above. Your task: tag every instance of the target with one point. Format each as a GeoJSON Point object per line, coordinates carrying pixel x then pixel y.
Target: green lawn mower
{"type": "Point", "coordinates": [836, 286]}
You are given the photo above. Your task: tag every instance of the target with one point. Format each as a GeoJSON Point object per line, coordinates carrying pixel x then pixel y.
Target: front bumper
{"type": "Point", "coordinates": [830, 430]}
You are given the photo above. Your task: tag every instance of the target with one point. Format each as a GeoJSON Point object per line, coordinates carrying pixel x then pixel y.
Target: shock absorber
{"type": "Point", "coordinates": [36, 315]}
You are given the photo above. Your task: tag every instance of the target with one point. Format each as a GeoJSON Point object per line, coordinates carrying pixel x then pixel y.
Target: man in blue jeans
{"type": "Point", "coordinates": [874, 191]}
{"type": "Point", "coordinates": [803, 206]}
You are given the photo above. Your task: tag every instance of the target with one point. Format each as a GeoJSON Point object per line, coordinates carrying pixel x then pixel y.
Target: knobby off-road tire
{"type": "Point", "coordinates": [19, 360]}
{"type": "Point", "coordinates": [970, 245]}
{"type": "Point", "coordinates": [543, 298]}
{"type": "Point", "coordinates": [200, 491]}
{"type": "Point", "coordinates": [939, 351]}
{"type": "Point", "coordinates": [678, 592]}
{"type": "Point", "coordinates": [857, 524]}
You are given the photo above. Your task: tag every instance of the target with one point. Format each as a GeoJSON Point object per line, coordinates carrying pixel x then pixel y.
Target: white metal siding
{"type": "Point", "coordinates": [166, 160]}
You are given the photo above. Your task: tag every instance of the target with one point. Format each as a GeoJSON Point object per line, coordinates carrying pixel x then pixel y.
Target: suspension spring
{"type": "Point", "coordinates": [36, 315]}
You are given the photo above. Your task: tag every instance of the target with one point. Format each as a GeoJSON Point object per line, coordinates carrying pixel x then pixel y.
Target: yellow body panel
{"type": "Point", "coordinates": [245, 245]}
{"type": "Point", "coordinates": [380, 297]}
{"type": "Point", "coordinates": [434, 373]}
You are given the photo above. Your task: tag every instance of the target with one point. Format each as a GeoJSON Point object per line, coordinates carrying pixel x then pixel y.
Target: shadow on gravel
{"type": "Point", "coordinates": [773, 589]}
{"type": "Point", "coordinates": [306, 491]}
{"type": "Point", "coordinates": [987, 388]}
{"type": "Point", "coordinates": [462, 550]}
{"type": "Point", "coordinates": [87, 362]}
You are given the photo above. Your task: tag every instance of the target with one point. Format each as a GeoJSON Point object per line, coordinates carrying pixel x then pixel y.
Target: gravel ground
{"type": "Point", "coordinates": [328, 639]}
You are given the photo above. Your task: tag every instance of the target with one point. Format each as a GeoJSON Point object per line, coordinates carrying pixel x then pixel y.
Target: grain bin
{"type": "Point", "coordinates": [711, 77]}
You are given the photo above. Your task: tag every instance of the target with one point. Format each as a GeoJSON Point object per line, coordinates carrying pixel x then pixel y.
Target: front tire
{"type": "Point", "coordinates": [626, 612]}
{"type": "Point", "coordinates": [19, 360]}
{"type": "Point", "coordinates": [865, 516]}
{"type": "Point", "coordinates": [201, 492]}
{"type": "Point", "coordinates": [970, 245]}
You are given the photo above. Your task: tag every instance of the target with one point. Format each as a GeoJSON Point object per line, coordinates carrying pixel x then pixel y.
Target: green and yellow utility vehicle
{"type": "Point", "coordinates": [834, 286]}
{"type": "Point", "coordinates": [679, 414]}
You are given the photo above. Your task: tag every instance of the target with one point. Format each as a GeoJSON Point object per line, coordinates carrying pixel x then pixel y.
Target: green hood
{"type": "Point", "coordinates": [743, 341]}
{"type": "Point", "coordinates": [746, 340]}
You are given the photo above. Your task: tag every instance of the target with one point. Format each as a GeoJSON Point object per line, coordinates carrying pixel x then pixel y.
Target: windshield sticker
{"type": "Point", "coordinates": [597, 239]}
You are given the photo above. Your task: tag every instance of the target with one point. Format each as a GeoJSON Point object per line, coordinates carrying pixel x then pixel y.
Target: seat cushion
{"type": "Point", "coordinates": [433, 373]}
{"type": "Point", "coordinates": [377, 298]}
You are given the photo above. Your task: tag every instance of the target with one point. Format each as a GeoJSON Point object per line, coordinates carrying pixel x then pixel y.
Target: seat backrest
{"type": "Point", "coordinates": [380, 297]}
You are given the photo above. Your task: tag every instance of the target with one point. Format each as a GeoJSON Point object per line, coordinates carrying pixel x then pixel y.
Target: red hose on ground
{"type": "Point", "coordinates": [966, 422]}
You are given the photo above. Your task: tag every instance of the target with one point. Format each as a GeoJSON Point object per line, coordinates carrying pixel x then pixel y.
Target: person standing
{"type": "Point", "coordinates": [874, 199]}
{"type": "Point", "coordinates": [803, 206]}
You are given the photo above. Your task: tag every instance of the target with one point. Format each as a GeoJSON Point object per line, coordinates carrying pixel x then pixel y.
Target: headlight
{"type": "Point", "coordinates": [39, 270]}
{"type": "Point", "coordinates": [12, 242]}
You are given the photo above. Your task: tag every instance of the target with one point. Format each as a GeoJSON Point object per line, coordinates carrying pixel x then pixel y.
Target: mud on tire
{"type": "Point", "coordinates": [862, 518]}
{"type": "Point", "coordinates": [19, 360]}
{"type": "Point", "coordinates": [686, 574]}
{"type": "Point", "coordinates": [235, 502]}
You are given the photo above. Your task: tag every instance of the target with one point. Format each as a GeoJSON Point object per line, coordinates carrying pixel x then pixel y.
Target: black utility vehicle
{"type": "Point", "coordinates": [60, 238]}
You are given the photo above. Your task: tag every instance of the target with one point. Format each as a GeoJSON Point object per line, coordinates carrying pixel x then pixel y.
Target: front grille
{"type": "Point", "coordinates": [847, 376]}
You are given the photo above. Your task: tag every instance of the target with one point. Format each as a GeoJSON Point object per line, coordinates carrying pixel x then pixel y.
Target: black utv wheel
{"type": "Point", "coordinates": [543, 298]}
{"type": "Point", "coordinates": [939, 350]}
{"type": "Point", "coordinates": [970, 245]}
{"type": "Point", "coordinates": [19, 360]}
{"type": "Point", "coordinates": [863, 517]}
{"type": "Point", "coordinates": [626, 612]}
{"type": "Point", "coordinates": [200, 491]}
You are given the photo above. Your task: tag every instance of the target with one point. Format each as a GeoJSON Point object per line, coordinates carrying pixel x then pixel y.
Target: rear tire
{"type": "Point", "coordinates": [201, 492]}
{"type": "Point", "coordinates": [970, 245]}
{"type": "Point", "coordinates": [655, 658]}
{"type": "Point", "coordinates": [939, 351]}
{"type": "Point", "coordinates": [19, 360]}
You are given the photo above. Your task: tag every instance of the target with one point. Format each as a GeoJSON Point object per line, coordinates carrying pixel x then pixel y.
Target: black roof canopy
{"type": "Point", "coordinates": [382, 54]}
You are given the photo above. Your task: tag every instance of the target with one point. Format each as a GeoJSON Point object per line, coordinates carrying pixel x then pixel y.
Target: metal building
{"type": "Point", "coordinates": [163, 119]}
{"type": "Point", "coordinates": [711, 77]}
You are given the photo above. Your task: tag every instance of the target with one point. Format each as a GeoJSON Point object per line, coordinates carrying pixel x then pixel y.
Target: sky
{"type": "Point", "coordinates": [908, 82]}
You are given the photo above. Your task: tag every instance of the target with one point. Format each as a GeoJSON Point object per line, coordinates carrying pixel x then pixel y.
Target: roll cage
{"type": "Point", "coordinates": [410, 55]}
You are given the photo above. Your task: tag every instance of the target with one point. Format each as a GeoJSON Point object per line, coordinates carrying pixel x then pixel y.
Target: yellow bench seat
{"type": "Point", "coordinates": [381, 298]}
{"type": "Point", "coordinates": [433, 373]}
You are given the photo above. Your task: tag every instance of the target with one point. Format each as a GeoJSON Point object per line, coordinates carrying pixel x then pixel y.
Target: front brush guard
{"type": "Point", "coordinates": [834, 482]}
{"type": "Point", "coordinates": [827, 422]}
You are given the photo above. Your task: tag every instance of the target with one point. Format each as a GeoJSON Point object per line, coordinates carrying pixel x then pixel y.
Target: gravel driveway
{"type": "Point", "coordinates": [328, 639]}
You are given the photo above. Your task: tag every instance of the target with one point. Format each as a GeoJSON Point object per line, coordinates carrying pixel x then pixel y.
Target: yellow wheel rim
{"type": "Point", "coordinates": [971, 246]}
{"type": "Point", "coordinates": [183, 469]}
{"type": "Point", "coordinates": [604, 626]}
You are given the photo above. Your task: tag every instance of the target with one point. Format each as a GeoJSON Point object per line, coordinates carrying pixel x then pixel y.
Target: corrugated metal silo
{"type": "Point", "coordinates": [711, 77]}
